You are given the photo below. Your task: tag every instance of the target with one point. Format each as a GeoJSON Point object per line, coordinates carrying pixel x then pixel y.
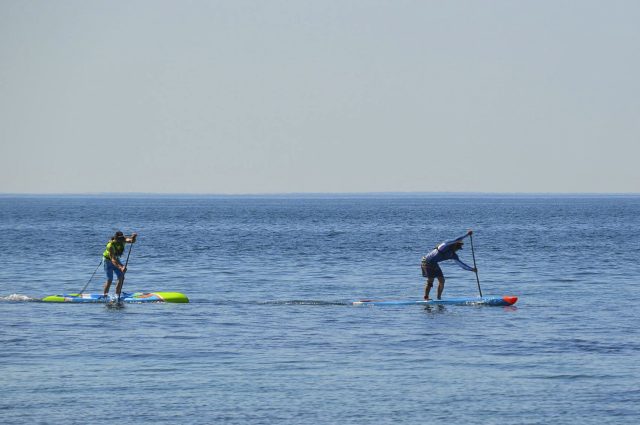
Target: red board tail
{"type": "Point", "coordinates": [510, 299]}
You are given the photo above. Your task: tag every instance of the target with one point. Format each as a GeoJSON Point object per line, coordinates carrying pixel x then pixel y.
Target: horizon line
{"type": "Point", "coordinates": [308, 194]}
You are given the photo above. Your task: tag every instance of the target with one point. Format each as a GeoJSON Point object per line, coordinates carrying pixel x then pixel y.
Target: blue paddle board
{"type": "Point", "coordinates": [492, 301]}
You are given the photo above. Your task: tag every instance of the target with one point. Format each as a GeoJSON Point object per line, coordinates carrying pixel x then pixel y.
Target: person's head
{"type": "Point", "coordinates": [119, 236]}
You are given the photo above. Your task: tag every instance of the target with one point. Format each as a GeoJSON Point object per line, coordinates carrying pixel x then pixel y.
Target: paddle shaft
{"type": "Point", "coordinates": [473, 254]}
{"type": "Point", "coordinates": [126, 263]}
{"type": "Point", "coordinates": [121, 283]}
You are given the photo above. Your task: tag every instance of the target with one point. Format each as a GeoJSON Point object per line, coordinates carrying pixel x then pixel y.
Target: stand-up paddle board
{"type": "Point", "coordinates": [127, 297]}
{"type": "Point", "coordinates": [492, 301]}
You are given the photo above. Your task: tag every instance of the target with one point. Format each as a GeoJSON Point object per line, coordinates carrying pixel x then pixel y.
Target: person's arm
{"type": "Point", "coordinates": [463, 265]}
{"type": "Point", "coordinates": [132, 238]}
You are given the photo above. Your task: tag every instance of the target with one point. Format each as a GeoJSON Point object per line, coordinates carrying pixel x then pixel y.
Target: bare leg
{"type": "Point", "coordinates": [440, 286]}
{"type": "Point", "coordinates": [428, 287]}
{"type": "Point", "coordinates": [119, 286]}
{"type": "Point", "coordinates": [107, 285]}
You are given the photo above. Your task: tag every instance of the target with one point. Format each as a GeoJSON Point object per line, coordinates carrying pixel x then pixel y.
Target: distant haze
{"type": "Point", "coordinates": [319, 96]}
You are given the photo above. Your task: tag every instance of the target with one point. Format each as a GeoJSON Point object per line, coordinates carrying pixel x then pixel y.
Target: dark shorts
{"type": "Point", "coordinates": [433, 271]}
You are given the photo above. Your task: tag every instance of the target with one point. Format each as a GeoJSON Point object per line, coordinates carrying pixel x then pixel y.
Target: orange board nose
{"type": "Point", "coordinates": [510, 299]}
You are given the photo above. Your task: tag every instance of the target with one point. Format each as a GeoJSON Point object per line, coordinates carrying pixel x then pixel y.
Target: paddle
{"type": "Point", "coordinates": [474, 265]}
{"type": "Point", "coordinates": [121, 282]}
{"type": "Point", "coordinates": [126, 263]}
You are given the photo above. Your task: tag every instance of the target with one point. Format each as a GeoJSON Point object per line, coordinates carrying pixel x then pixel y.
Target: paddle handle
{"type": "Point", "coordinates": [473, 254]}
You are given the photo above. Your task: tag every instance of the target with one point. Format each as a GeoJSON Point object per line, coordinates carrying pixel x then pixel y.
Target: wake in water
{"type": "Point", "coordinates": [18, 298]}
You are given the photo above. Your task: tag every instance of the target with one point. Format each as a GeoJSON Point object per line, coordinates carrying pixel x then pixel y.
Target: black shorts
{"type": "Point", "coordinates": [433, 271]}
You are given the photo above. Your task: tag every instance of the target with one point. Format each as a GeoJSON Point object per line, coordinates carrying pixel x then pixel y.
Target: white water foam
{"type": "Point", "coordinates": [17, 298]}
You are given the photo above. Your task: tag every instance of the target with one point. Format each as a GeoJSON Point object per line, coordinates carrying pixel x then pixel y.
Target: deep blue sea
{"type": "Point", "coordinates": [270, 338]}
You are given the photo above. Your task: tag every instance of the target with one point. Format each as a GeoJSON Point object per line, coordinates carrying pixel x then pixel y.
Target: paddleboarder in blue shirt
{"type": "Point", "coordinates": [445, 251]}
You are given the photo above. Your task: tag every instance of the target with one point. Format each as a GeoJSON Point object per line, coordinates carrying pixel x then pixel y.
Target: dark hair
{"type": "Point", "coordinates": [118, 235]}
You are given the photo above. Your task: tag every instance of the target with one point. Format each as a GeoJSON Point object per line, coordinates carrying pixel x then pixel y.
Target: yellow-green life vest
{"type": "Point", "coordinates": [118, 248]}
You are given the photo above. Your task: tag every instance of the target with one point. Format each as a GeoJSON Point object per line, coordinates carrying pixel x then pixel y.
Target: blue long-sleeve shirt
{"type": "Point", "coordinates": [445, 251]}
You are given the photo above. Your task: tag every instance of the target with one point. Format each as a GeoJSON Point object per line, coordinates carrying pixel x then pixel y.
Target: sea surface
{"type": "Point", "coordinates": [270, 337]}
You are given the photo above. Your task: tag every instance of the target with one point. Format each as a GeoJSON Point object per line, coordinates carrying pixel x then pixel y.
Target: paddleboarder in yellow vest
{"type": "Point", "coordinates": [111, 259]}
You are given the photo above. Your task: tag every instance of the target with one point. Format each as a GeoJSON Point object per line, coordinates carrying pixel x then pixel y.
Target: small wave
{"type": "Point", "coordinates": [333, 233]}
{"type": "Point", "coordinates": [17, 298]}
{"type": "Point", "coordinates": [303, 302]}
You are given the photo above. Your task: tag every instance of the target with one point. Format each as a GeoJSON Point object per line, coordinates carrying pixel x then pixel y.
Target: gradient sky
{"type": "Point", "coordinates": [269, 96]}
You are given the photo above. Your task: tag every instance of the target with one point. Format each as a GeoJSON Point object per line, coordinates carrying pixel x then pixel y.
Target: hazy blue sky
{"type": "Point", "coordinates": [319, 96]}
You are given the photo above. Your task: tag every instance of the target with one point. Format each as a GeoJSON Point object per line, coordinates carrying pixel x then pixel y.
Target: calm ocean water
{"type": "Point", "coordinates": [269, 338]}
